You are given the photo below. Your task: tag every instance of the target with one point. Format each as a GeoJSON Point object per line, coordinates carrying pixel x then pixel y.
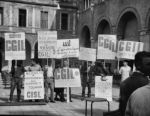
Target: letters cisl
{"type": "Point", "coordinates": [14, 45]}
{"type": "Point", "coordinates": [107, 43]}
{"type": "Point", "coordinates": [129, 46]}
{"type": "Point", "coordinates": [64, 74]}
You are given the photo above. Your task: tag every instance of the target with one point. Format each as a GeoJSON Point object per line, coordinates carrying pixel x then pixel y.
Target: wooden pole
{"type": "Point", "coordinates": [68, 94]}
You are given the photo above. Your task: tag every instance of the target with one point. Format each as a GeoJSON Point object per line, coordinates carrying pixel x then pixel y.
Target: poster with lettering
{"type": "Point", "coordinates": [67, 77]}
{"type": "Point", "coordinates": [34, 85]}
{"type": "Point", "coordinates": [106, 47]}
{"type": "Point", "coordinates": [15, 46]}
{"type": "Point", "coordinates": [67, 48]}
{"type": "Point", "coordinates": [47, 42]}
{"type": "Point", "coordinates": [128, 49]}
{"type": "Point", "coordinates": [103, 88]}
{"type": "Point", "coordinates": [88, 54]}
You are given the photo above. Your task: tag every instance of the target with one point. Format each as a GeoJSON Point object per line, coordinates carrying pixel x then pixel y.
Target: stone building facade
{"type": "Point", "coordinates": [128, 19]}
{"type": "Point", "coordinates": [31, 16]}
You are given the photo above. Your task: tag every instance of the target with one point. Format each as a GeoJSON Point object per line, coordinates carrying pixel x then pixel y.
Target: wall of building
{"type": "Point", "coordinates": [34, 8]}
{"type": "Point", "coordinates": [112, 11]}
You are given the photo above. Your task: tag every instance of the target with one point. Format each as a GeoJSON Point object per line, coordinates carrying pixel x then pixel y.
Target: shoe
{"type": "Point", "coordinates": [56, 99]}
{"type": "Point", "coordinates": [82, 98]}
{"type": "Point", "coordinates": [63, 100]}
{"type": "Point", "coordinates": [52, 101]}
{"type": "Point", "coordinates": [10, 101]}
{"type": "Point", "coordinates": [71, 101]}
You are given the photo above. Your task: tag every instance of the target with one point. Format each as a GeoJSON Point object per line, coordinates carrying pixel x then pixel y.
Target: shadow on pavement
{"type": "Point", "coordinates": [33, 113]}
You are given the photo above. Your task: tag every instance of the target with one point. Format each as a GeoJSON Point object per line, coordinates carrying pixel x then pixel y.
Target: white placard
{"type": "Point", "coordinates": [88, 54]}
{"type": "Point", "coordinates": [106, 47]}
{"type": "Point", "coordinates": [103, 89]}
{"type": "Point", "coordinates": [128, 49]}
{"type": "Point", "coordinates": [67, 77]}
{"type": "Point", "coordinates": [67, 48]}
{"type": "Point", "coordinates": [47, 42]}
{"type": "Point", "coordinates": [15, 46]}
{"type": "Point", "coordinates": [34, 85]}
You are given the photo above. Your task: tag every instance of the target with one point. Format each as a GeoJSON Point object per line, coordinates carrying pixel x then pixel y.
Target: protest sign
{"type": "Point", "coordinates": [67, 48]}
{"type": "Point", "coordinates": [47, 42]}
{"type": "Point", "coordinates": [34, 85]}
{"type": "Point", "coordinates": [106, 47]}
{"type": "Point", "coordinates": [67, 77]}
{"type": "Point", "coordinates": [103, 89]}
{"type": "Point", "coordinates": [15, 46]}
{"type": "Point", "coordinates": [128, 49]}
{"type": "Point", "coordinates": [87, 54]}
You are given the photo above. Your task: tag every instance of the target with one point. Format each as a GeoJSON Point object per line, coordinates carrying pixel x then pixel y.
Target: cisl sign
{"type": "Point", "coordinates": [14, 46]}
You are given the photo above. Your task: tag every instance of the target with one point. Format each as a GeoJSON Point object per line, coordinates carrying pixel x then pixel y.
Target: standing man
{"type": "Point", "coordinates": [125, 71]}
{"type": "Point", "coordinates": [17, 75]}
{"type": "Point", "coordinates": [49, 83]}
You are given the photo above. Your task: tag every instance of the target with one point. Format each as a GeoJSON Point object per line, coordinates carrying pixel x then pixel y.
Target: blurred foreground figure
{"type": "Point", "coordinates": [139, 102]}
{"type": "Point", "coordinates": [135, 81]}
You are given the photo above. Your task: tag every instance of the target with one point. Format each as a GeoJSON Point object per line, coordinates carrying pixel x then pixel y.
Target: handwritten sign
{"type": "Point", "coordinates": [34, 85]}
{"type": "Point", "coordinates": [87, 54]}
{"type": "Point", "coordinates": [103, 89]}
{"type": "Point", "coordinates": [67, 77]}
{"type": "Point", "coordinates": [128, 49]}
{"type": "Point", "coordinates": [15, 46]}
{"type": "Point", "coordinates": [67, 48]}
{"type": "Point", "coordinates": [106, 47]}
{"type": "Point", "coordinates": [47, 42]}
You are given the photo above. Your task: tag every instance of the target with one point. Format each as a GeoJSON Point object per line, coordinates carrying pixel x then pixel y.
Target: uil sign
{"type": "Point", "coordinates": [67, 77]}
{"type": "Point", "coordinates": [14, 46]}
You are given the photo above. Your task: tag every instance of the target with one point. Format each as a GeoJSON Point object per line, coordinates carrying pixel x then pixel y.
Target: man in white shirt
{"type": "Point", "coordinates": [125, 71]}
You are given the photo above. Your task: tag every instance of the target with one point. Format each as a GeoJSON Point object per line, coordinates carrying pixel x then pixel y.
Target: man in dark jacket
{"type": "Point", "coordinates": [17, 75]}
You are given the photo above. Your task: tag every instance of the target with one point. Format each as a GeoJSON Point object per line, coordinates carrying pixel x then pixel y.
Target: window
{"type": "Point", "coordinates": [22, 18]}
{"type": "Point", "coordinates": [1, 16]}
{"type": "Point", "coordinates": [87, 4]}
{"type": "Point", "coordinates": [64, 21]}
{"type": "Point", "coordinates": [44, 20]}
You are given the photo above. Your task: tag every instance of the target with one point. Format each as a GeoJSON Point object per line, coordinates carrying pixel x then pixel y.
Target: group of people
{"type": "Point", "coordinates": [18, 70]}
{"type": "Point", "coordinates": [135, 89]}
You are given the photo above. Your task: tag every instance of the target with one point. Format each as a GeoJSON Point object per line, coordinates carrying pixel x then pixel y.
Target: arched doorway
{"type": "Point", "coordinates": [103, 27]}
{"type": "Point", "coordinates": [2, 52]}
{"type": "Point", "coordinates": [128, 27]}
{"type": "Point", "coordinates": [85, 37]}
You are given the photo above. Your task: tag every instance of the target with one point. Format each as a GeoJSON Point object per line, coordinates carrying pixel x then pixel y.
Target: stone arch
{"type": "Point", "coordinates": [128, 25]}
{"type": "Point", "coordinates": [103, 27]}
{"type": "Point", "coordinates": [147, 22]}
{"type": "Point", "coordinates": [85, 37]}
{"type": "Point", "coordinates": [2, 52]}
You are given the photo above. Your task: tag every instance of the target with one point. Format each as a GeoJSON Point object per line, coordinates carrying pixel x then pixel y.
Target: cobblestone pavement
{"type": "Point", "coordinates": [75, 108]}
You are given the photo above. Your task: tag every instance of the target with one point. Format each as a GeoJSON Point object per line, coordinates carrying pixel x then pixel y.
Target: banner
{"type": "Point", "coordinates": [128, 49]}
{"type": "Point", "coordinates": [47, 42]}
{"type": "Point", "coordinates": [106, 47]}
{"type": "Point", "coordinates": [67, 77]}
{"type": "Point", "coordinates": [15, 46]}
{"type": "Point", "coordinates": [67, 48]}
{"type": "Point", "coordinates": [103, 89]}
{"type": "Point", "coordinates": [87, 54]}
{"type": "Point", "coordinates": [34, 85]}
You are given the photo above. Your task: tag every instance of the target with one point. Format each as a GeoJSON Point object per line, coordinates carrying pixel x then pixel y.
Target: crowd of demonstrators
{"type": "Point", "coordinates": [125, 71]}
{"type": "Point", "coordinates": [128, 86]}
{"type": "Point", "coordinates": [16, 80]}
